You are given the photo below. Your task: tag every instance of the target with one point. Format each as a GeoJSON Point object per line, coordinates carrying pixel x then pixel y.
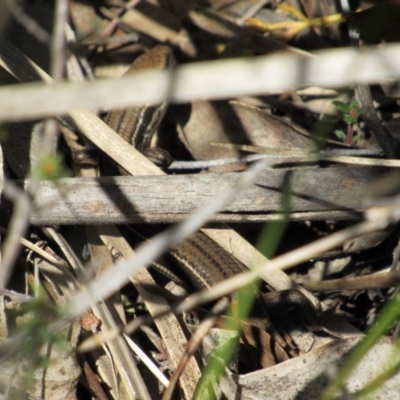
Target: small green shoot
{"type": "Point", "coordinates": [35, 318]}
{"type": "Point", "coordinates": [351, 112]}
{"type": "Point", "coordinates": [49, 167]}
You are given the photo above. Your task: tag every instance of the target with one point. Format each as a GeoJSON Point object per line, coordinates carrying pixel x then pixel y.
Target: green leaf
{"type": "Point", "coordinates": [340, 135]}
{"type": "Point", "coordinates": [354, 105]}
{"type": "Point", "coordinates": [350, 119]}
{"type": "Point", "coordinates": [356, 138]}
{"type": "Point", "coordinates": [343, 107]}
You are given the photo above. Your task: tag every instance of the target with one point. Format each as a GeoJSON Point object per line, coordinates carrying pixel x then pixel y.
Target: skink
{"type": "Point", "coordinates": [137, 124]}
{"type": "Point", "coordinates": [203, 261]}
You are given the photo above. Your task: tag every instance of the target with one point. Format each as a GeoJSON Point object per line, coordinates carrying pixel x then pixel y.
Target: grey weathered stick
{"type": "Point", "coordinates": [171, 198]}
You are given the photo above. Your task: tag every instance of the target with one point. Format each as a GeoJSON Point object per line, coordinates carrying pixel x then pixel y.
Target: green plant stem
{"type": "Point", "coordinates": [379, 380]}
